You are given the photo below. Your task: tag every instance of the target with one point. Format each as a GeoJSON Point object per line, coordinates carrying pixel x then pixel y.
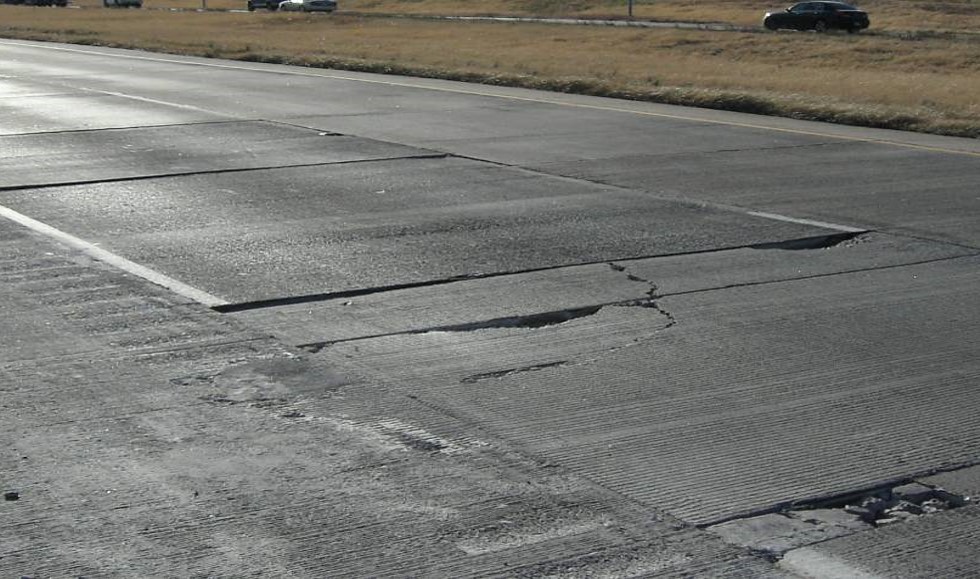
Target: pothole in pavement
{"type": "Point", "coordinates": [900, 503]}
{"type": "Point", "coordinates": [773, 534]}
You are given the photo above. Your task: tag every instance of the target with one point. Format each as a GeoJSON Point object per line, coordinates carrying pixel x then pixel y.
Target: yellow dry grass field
{"type": "Point", "coordinates": [958, 15]}
{"type": "Point", "coordinates": [948, 15]}
{"type": "Point", "coordinates": [925, 82]}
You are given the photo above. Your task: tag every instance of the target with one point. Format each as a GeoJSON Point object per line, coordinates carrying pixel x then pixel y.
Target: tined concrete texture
{"type": "Point", "coordinates": [730, 401]}
{"type": "Point", "coordinates": [943, 544]}
{"type": "Point", "coordinates": [148, 437]}
{"type": "Point", "coordinates": [964, 482]}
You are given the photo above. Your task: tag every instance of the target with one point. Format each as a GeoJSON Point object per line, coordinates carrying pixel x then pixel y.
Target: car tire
{"type": "Point", "coordinates": [820, 26]}
{"type": "Point", "coordinates": [769, 24]}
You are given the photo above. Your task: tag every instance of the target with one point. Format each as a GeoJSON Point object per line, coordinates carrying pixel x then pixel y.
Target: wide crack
{"type": "Point", "coordinates": [847, 239]}
{"type": "Point", "coordinates": [474, 378]}
{"type": "Point", "coordinates": [541, 320]}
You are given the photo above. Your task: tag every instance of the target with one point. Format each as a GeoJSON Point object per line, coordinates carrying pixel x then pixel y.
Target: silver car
{"type": "Point", "coordinates": [308, 5]}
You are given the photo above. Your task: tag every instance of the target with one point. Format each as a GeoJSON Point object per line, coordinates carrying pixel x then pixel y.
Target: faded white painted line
{"type": "Point", "coordinates": [812, 222]}
{"type": "Point", "coordinates": [114, 260]}
{"type": "Point", "coordinates": [155, 101]}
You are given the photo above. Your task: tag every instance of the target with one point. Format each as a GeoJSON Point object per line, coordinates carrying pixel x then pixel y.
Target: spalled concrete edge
{"type": "Point", "coordinates": [782, 536]}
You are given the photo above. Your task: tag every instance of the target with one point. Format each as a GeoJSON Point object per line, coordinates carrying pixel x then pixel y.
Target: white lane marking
{"type": "Point", "coordinates": [155, 101]}
{"type": "Point", "coordinates": [122, 263]}
{"type": "Point", "coordinates": [813, 222]}
{"type": "Point", "coordinates": [327, 73]}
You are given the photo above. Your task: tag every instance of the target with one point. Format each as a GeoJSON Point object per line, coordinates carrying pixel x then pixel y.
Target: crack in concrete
{"type": "Point", "coordinates": [840, 500]}
{"type": "Point", "coordinates": [652, 294]}
{"type": "Point", "coordinates": [794, 525]}
{"type": "Point", "coordinates": [345, 294]}
{"type": "Point", "coordinates": [474, 378]}
{"type": "Point", "coordinates": [848, 238]}
{"type": "Point", "coordinates": [127, 128]}
{"type": "Point", "coordinates": [137, 178]}
{"type": "Point", "coordinates": [820, 275]}
{"type": "Point", "coordinates": [530, 321]}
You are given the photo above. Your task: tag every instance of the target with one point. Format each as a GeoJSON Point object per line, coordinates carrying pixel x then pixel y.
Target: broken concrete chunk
{"type": "Point", "coordinates": [904, 507]}
{"type": "Point", "coordinates": [913, 493]}
{"type": "Point", "coordinates": [952, 500]}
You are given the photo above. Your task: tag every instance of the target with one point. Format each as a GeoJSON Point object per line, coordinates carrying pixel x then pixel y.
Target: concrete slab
{"type": "Point", "coordinates": [964, 482]}
{"type": "Point", "coordinates": [753, 397]}
{"type": "Point", "coordinates": [921, 192]}
{"type": "Point", "coordinates": [174, 442]}
{"type": "Point", "coordinates": [45, 159]}
{"type": "Point", "coordinates": [536, 135]}
{"type": "Point", "coordinates": [280, 233]}
{"type": "Point", "coordinates": [577, 288]}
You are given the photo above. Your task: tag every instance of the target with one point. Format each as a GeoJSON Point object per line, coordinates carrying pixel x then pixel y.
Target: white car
{"type": "Point", "coordinates": [308, 5]}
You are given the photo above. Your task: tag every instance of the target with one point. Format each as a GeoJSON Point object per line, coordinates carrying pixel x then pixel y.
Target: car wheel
{"type": "Point", "coordinates": [769, 24]}
{"type": "Point", "coordinates": [820, 26]}
{"type": "Point", "coordinates": [853, 30]}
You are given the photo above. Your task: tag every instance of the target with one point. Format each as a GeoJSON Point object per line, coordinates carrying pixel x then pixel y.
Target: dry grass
{"type": "Point", "coordinates": [899, 15]}
{"type": "Point", "coordinates": [950, 15]}
{"type": "Point", "coordinates": [917, 83]}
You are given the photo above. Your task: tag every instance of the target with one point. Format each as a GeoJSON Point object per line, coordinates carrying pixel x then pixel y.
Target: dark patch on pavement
{"type": "Point", "coordinates": [264, 383]}
{"type": "Point", "coordinates": [510, 372]}
{"type": "Point", "coordinates": [817, 242]}
{"type": "Point", "coordinates": [418, 443]}
{"type": "Point", "coordinates": [530, 321]}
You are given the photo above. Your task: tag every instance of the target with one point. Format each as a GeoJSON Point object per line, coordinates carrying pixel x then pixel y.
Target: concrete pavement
{"type": "Point", "coordinates": [466, 330]}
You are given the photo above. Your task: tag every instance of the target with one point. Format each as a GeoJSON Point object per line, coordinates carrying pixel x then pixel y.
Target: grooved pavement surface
{"type": "Point", "coordinates": [939, 545]}
{"type": "Point", "coordinates": [146, 436]}
{"type": "Point", "coordinates": [754, 397]}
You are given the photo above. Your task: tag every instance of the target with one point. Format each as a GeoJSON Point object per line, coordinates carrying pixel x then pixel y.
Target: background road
{"type": "Point", "coordinates": [661, 319]}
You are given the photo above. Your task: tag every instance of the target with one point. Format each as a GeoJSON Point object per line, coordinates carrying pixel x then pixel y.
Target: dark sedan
{"type": "Point", "coordinates": [819, 16]}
